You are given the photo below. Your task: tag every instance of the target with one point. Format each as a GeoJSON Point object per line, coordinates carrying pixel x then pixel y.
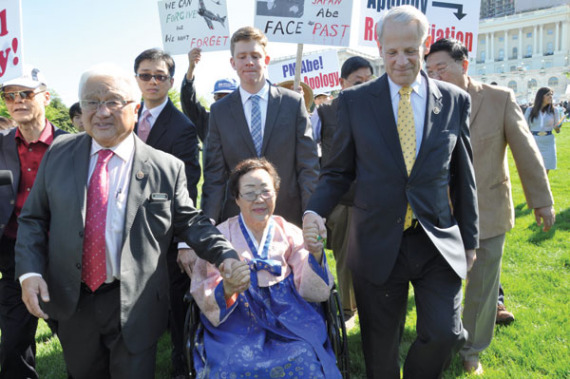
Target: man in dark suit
{"type": "Point", "coordinates": [169, 130]}
{"type": "Point", "coordinates": [280, 132]}
{"type": "Point", "coordinates": [191, 105]}
{"type": "Point", "coordinates": [354, 71]}
{"type": "Point", "coordinates": [405, 140]}
{"type": "Point", "coordinates": [96, 261]}
{"type": "Point", "coordinates": [21, 151]}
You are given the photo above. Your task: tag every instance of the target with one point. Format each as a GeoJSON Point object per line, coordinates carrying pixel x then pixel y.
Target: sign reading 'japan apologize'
{"type": "Point", "coordinates": [318, 22]}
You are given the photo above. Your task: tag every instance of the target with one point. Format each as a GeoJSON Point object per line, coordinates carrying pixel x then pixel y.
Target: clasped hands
{"type": "Point", "coordinates": [314, 234]}
{"type": "Point", "coordinates": [236, 276]}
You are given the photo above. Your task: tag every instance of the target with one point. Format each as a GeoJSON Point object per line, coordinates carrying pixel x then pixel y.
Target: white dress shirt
{"type": "Point", "coordinates": [263, 103]}
{"type": "Point", "coordinates": [419, 104]}
{"type": "Point", "coordinates": [154, 112]}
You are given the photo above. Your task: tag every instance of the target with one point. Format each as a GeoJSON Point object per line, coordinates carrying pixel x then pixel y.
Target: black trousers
{"type": "Point", "coordinates": [17, 325]}
{"type": "Point", "coordinates": [179, 286]}
{"type": "Point", "coordinates": [382, 311]}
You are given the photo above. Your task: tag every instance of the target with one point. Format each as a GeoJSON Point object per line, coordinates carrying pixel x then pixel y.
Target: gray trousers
{"type": "Point", "coordinates": [481, 291]}
{"type": "Point", "coordinates": [338, 224]}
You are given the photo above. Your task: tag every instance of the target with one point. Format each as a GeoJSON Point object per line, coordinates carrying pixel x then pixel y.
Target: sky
{"type": "Point", "coordinates": [63, 38]}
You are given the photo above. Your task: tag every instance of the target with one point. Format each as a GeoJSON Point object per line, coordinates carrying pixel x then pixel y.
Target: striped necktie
{"type": "Point", "coordinates": [256, 124]}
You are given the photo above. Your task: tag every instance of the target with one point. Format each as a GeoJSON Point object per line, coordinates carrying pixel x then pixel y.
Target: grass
{"type": "Point", "coordinates": [535, 276]}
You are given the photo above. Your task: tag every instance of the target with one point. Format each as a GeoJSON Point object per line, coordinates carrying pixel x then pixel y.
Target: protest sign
{"type": "Point", "coordinates": [319, 70]}
{"type": "Point", "coordinates": [458, 19]}
{"type": "Point", "coordinates": [187, 24]}
{"type": "Point", "coordinates": [11, 61]}
{"type": "Point", "coordinates": [318, 22]}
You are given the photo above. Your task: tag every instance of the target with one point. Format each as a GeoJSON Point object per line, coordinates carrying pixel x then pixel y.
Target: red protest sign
{"type": "Point", "coordinates": [10, 39]}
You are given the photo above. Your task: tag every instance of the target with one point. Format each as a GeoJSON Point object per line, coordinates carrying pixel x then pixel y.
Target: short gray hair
{"type": "Point", "coordinates": [404, 14]}
{"type": "Point", "coordinates": [123, 77]}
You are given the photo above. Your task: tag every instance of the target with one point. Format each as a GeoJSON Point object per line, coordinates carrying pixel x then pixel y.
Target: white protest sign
{"type": "Point", "coordinates": [458, 19]}
{"type": "Point", "coordinates": [318, 22]}
{"type": "Point", "coordinates": [187, 24]}
{"type": "Point", "coordinates": [319, 70]}
{"type": "Point", "coordinates": [11, 61]}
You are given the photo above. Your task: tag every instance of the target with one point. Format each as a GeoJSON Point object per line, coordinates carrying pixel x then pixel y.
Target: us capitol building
{"type": "Point", "coordinates": [524, 45]}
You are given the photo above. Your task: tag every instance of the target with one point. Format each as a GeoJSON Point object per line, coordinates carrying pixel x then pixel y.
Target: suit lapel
{"type": "Point", "coordinates": [161, 124]}
{"type": "Point", "coordinates": [476, 99]}
{"type": "Point", "coordinates": [139, 179]}
{"type": "Point", "coordinates": [80, 158]}
{"type": "Point", "coordinates": [240, 122]}
{"type": "Point", "coordinates": [11, 157]}
{"type": "Point", "coordinates": [273, 106]}
{"type": "Point", "coordinates": [381, 104]}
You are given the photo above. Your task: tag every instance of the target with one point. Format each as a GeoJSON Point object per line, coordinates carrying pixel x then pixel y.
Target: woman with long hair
{"type": "Point", "coordinates": [542, 119]}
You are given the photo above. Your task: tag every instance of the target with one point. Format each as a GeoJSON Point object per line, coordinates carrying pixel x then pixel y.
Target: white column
{"type": "Point", "coordinates": [535, 40]}
{"type": "Point", "coordinates": [492, 55]}
{"type": "Point", "coordinates": [557, 38]}
{"type": "Point", "coordinates": [507, 53]}
{"type": "Point", "coordinates": [540, 38]}
{"type": "Point", "coordinates": [487, 47]}
{"type": "Point", "coordinates": [520, 52]}
{"type": "Point", "coordinates": [564, 36]}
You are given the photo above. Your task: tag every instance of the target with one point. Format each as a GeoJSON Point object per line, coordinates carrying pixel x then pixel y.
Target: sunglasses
{"type": "Point", "coordinates": [10, 97]}
{"type": "Point", "coordinates": [157, 77]}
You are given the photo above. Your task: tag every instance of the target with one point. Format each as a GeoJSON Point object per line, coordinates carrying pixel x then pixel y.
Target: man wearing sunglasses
{"type": "Point", "coordinates": [21, 151]}
{"type": "Point", "coordinates": [162, 126]}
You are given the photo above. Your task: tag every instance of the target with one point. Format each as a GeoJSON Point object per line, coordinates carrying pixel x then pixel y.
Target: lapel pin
{"type": "Point", "coordinates": [140, 175]}
{"type": "Point", "coordinates": [436, 110]}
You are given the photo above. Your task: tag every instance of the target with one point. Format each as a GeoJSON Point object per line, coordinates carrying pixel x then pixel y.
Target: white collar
{"type": "Point", "coordinates": [263, 93]}
{"type": "Point", "coordinates": [123, 150]}
{"type": "Point", "coordinates": [416, 86]}
{"type": "Point", "coordinates": [155, 112]}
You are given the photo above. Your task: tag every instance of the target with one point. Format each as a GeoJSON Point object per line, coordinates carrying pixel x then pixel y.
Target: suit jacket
{"type": "Point", "coordinates": [287, 143]}
{"type": "Point", "coordinates": [175, 134]}
{"type": "Point", "coordinates": [193, 109]}
{"type": "Point", "coordinates": [10, 160]}
{"type": "Point", "coordinates": [497, 121]}
{"type": "Point", "coordinates": [57, 204]}
{"type": "Point", "coordinates": [366, 147]}
{"type": "Point", "coordinates": [328, 114]}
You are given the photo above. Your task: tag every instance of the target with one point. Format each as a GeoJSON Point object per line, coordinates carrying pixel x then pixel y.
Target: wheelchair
{"type": "Point", "coordinates": [334, 319]}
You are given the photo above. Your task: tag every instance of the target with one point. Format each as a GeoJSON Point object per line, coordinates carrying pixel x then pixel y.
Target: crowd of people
{"type": "Point", "coordinates": [404, 177]}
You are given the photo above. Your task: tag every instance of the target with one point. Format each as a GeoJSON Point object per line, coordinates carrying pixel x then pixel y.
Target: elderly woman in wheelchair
{"type": "Point", "coordinates": [263, 319]}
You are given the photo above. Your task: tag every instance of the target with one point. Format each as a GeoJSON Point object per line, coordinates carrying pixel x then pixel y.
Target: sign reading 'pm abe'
{"type": "Point", "coordinates": [318, 22]}
{"type": "Point", "coordinates": [319, 70]}
{"type": "Point", "coordinates": [187, 24]}
{"type": "Point", "coordinates": [458, 19]}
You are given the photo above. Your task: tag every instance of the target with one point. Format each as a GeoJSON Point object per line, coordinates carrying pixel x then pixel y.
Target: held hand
{"type": "Point", "coordinates": [545, 216]}
{"type": "Point", "coordinates": [471, 258]}
{"type": "Point", "coordinates": [314, 232]}
{"type": "Point", "coordinates": [194, 57]}
{"type": "Point", "coordinates": [236, 276]}
{"type": "Point", "coordinates": [31, 288]}
{"type": "Point", "coordinates": [184, 261]}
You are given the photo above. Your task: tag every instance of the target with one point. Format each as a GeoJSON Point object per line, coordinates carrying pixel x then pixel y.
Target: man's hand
{"type": "Point", "coordinates": [194, 57]}
{"type": "Point", "coordinates": [31, 288]}
{"type": "Point", "coordinates": [545, 216]}
{"type": "Point", "coordinates": [314, 232]}
{"type": "Point", "coordinates": [184, 261]}
{"type": "Point", "coordinates": [471, 257]}
{"type": "Point", "coordinates": [236, 276]}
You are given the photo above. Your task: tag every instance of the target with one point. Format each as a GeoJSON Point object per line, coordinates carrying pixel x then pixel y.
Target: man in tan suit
{"type": "Point", "coordinates": [496, 121]}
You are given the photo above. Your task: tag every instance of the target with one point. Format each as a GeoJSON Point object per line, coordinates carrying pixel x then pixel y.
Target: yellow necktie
{"type": "Point", "coordinates": [407, 134]}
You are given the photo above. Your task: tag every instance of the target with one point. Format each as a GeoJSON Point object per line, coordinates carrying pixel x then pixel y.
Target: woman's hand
{"type": "Point", "coordinates": [236, 276]}
{"type": "Point", "coordinates": [315, 241]}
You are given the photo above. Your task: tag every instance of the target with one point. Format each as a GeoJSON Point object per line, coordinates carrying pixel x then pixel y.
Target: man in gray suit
{"type": "Point", "coordinates": [282, 134]}
{"type": "Point", "coordinates": [404, 138]}
{"type": "Point", "coordinates": [93, 235]}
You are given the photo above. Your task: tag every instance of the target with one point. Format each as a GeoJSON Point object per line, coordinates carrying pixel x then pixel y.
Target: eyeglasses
{"type": "Point", "coordinates": [112, 105]}
{"type": "Point", "coordinates": [157, 77]}
{"type": "Point", "coordinates": [10, 97]}
{"type": "Point", "coordinates": [440, 69]}
{"type": "Point", "coordinates": [252, 195]}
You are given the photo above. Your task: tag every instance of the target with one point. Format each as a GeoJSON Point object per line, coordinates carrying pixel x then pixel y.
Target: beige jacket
{"type": "Point", "coordinates": [497, 121]}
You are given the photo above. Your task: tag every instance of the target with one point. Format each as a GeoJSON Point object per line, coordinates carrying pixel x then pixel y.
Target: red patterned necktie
{"type": "Point", "coordinates": [143, 129]}
{"type": "Point", "coordinates": [94, 268]}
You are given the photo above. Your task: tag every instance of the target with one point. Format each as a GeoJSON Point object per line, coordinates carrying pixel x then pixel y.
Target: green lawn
{"type": "Point", "coordinates": [535, 277]}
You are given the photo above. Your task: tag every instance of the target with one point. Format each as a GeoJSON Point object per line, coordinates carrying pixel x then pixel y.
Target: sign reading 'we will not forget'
{"type": "Point", "coordinates": [187, 24]}
{"type": "Point", "coordinates": [11, 61]}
